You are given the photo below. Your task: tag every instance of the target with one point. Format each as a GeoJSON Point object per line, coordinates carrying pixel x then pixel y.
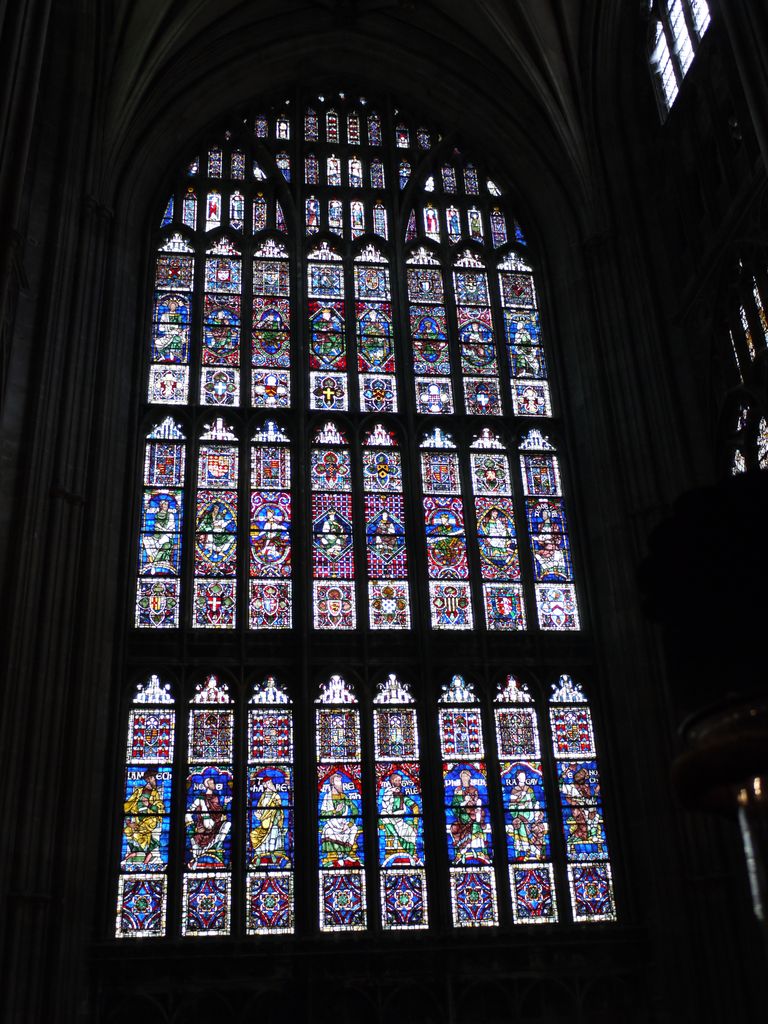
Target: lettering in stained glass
{"type": "Point", "coordinates": [146, 799]}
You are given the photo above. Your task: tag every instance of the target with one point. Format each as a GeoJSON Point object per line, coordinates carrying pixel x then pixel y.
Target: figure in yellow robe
{"type": "Point", "coordinates": [144, 811]}
{"type": "Point", "coordinates": [268, 837]}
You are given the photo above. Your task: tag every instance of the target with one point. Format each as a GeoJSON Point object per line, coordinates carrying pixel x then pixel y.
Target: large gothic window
{"type": "Point", "coordinates": [352, 526]}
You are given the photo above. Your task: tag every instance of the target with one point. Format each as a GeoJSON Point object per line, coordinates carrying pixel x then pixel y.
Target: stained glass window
{"type": "Point", "coordinates": [310, 125]}
{"type": "Point", "coordinates": [207, 879]}
{"type": "Point", "coordinates": [162, 519]}
{"type": "Point", "coordinates": [271, 349]}
{"type": "Point", "coordinates": [467, 812]}
{"type": "Point", "coordinates": [375, 338]}
{"type": "Point", "coordinates": [526, 820]}
{"type": "Point", "coordinates": [429, 337]}
{"type": "Point", "coordinates": [586, 848]}
{"type": "Point", "coordinates": [311, 170]}
{"type": "Point", "coordinates": [400, 809]}
{"type": "Point", "coordinates": [172, 316]}
{"type": "Point", "coordinates": [528, 369]}
{"type": "Point", "coordinates": [341, 852]}
{"type": "Point", "coordinates": [213, 211]}
{"type": "Point", "coordinates": [283, 162]}
{"type": "Point", "coordinates": [269, 847]}
{"type": "Point", "coordinates": [259, 213]}
{"type": "Point", "coordinates": [449, 178]}
{"type": "Point", "coordinates": [374, 130]}
{"type": "Point", "coordinates": [146, 798]}
{"type": "Point", "coordinates": [283, 128]}
{"type": "Point", "coordinates": [215, 582]}
{"type": "Point", "coordinates": [220, 373]}
{"type": "Point", "coordinates": [377, 174]}
{"type": "Point", "coordinates": [189, 209]}
{"type": "Point", "coordinates": [237, 210]}
{"type": "Point", "coordinates": [450, 595]}
{"type": "Point", "coordinates": [327, 342]}
{"type": "Point", "coordinates": [322, 387]}
{"type": "Point", "coordinates": [333, 558]}
{"type": "Point", "coordinates": [332, 126]}
{"type": "Point", "coordinates": [389, 603]}
{"type": "Point", "coordinates": [214, 163]}
{"type": "Point", "coordinates": [237, 164]}
{"type": "Point", "coordinates": [496, 534]}
{"type": "Point", "coordinates": [270, 599]}
{"type": "Point", "coordinates": [479, 366]}
{"type": "Point", "coordinates": [353, 129]}
{"type": "Point", "coordinates": [556, 599]}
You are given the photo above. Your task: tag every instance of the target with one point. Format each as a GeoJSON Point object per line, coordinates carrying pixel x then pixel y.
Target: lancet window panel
{"type": "Point", "coordinates": [450, 591]}
{"type": "Point", "coordinates": [147, 798]}
{"type": "Point", "coordinates": [524, 801]}
{"type": "Point", "coordinates": [207, 878]}
{"type": "Point", "coordinates": [389, 599]}
{"type": "Point", "coordinates": [271, 530]}
{"type": "Point", "coordinates": [333, 555]}
{"type": "Point", "coordinates": [270, 820]}
{"type": "Point", "coordinates": [340, 840]}
{"type": "Point", "coordinates": [400, 808]}
{"type": "Point", "coordinates": [158, 587]}
{"type": "Point", "coordinates": [468, 830]}
{"type": "Point", "coordinates": [590, 879]}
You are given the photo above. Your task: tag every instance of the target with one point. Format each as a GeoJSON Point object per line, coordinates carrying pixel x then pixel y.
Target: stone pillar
{"type": "Point", "coordinates": [23, 36]}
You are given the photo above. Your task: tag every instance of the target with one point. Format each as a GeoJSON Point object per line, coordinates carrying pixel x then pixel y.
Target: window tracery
{"type": "Point", "coordinates": [378, 367]}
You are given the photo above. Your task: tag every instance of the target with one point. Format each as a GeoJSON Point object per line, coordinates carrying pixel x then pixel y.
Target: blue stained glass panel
{"type": "Point", "coordinates": [473, 897]}
{"type": "Point", "coordinates": [382, 471]}
{"type": "Point", "coordinates": [533, 893]}
{"type": "Point", "coordinates": [170, 331]}
{"type": "Point", "coordinates": [342, 900]}
{"type": "Point", "coordinates": [222, 274]}
{"type": "Point", "coordinates": [207, 905]}
{"type": "Point", "coordinates": [269, 902]}
{"type": "Point", "coordinates": [326, 281]}
{"type": "Point", "coordinates": [147, 803]}
{"type": "Point", "coordinates": [468, 826]}
{"type": "Point", "coordinates": [591, 892]}
{"type": "Point", "coordinates": [471, 287]}
{"type": "Point", "coordinates": [141, 906]}
{"type": "Point", "coordinates": [525, 818]}
{"type": "Point", "coordinates": [270, 534]}
{"type": "Point", "coordinates": [404, 899]}
{"type": "Point", "coordinates": [208, 821]}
